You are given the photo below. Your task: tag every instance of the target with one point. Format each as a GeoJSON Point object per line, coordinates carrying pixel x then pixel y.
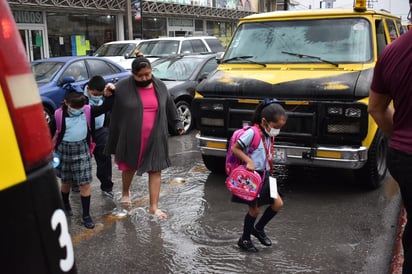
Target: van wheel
{"type": "Point", "coordinates": [371, 175]}
{"type": "Point", "coordinates": [214, 163]}
{"type": "Point", "coordinates": [183, 109]}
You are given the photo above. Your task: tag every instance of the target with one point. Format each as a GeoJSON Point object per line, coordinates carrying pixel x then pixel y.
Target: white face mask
{"type": "Point", "coordinates": [274, 132]}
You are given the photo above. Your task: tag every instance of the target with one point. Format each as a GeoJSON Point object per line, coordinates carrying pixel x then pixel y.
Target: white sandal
{"type": "Point", "coordinates": [159, 214]}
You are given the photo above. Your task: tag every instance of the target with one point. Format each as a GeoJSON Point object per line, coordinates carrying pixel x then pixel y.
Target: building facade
{"type": "Point", "coordinates": [59, 27]}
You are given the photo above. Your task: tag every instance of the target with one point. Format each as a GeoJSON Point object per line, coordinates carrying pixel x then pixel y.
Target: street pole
{"type": "Point", "coordinates": [141, 17]}
{"type": "Point", "coordinates": [129, 20]}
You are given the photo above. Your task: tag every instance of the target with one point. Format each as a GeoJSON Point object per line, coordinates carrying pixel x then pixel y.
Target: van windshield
{"type": "Point", "coordinates": [346, 40]}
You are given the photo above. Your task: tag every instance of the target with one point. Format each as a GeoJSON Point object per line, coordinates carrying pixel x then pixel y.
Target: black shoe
{"type": "Point", "coordinates": [68, 210]}
{"type": "Point", "coordinates": [247, 245]}
{"type": "Point", "coordinates": [88, 222]}
{"type": "Point", "coordinates": [261, 235]}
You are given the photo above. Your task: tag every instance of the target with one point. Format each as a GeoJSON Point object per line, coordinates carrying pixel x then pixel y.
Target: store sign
{"type": "Point", "coordinates": [28, 17]}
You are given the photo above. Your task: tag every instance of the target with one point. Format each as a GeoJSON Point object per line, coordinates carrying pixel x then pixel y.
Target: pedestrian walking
{"type": "Point", "coordinates": [138, 131]}
{"type": "Point", "coordinates": [73, 144]}
{"type": "Point", "coordinates": [269, 117]}
{"type": "Point", "coordinates": [94, 91]}
{"type": "Point", "coordinates": [392, 83]}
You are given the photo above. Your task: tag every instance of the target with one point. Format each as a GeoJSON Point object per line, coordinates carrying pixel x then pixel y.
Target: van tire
{"type": "Point", "coordinates": [214, 163]}
{"type": "Point", "coordinates": [372, 174]}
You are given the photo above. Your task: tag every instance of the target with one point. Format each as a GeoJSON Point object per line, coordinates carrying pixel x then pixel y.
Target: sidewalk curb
{"type": "Point", "coordinates": [397, 258]}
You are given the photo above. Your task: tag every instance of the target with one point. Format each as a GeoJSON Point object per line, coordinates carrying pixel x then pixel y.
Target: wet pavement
{"type": "Point", "coordinates": [328, 224]}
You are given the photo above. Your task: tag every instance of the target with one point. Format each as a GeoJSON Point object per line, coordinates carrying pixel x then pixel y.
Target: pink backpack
{"type": "Point", "coordinates": [244, 183]}
{"type": "Point", "coordinates": [58, 116]}
{"type": "Point", "coordinates": [232, 161]}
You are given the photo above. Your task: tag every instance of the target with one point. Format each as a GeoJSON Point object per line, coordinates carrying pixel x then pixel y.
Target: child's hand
{"type": "Point", "coordinates": [109, 89]}
{"type": "Point", "coordinates": [250, 165]}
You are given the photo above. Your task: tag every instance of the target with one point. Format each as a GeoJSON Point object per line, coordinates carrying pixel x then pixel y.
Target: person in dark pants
{"type": "Point", "coordinates": [392, 83]}
{"type": "Point", "coordinates": [94, 91]}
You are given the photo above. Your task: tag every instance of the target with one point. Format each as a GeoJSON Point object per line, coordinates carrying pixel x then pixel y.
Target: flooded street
{"type": "Point", "coordinates": [328, 224]}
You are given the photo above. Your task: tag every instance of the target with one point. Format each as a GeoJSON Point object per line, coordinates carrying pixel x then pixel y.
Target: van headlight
{"type": "Point", "coordinates": [214, 122]}
{"type": "Point", "coordinates": [353, 112]}
{"type": "Point", "coordinates": [345, 118]}
{"type": "Point", "coordinates": [211, 106]}
{"type": "Point", "coordinates": [343, 127]}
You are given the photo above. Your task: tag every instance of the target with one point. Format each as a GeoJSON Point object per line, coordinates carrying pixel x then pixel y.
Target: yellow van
{"type": "Point", "coordinates": [35, 237]}
{"type": "Point", "coordinates": [318, 64]}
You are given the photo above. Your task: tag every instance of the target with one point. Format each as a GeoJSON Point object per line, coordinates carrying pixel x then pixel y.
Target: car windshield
{"type": "Point", "coordinates": [44, 72]}
{"type": "Point", "coordinates": [116, 49]}
{"type": "Point", "coordinates": [331, 41]}
{"type": "Point", "coordinates": [159, 48]}
{"type": "Point", "coordinates": [175, 69]}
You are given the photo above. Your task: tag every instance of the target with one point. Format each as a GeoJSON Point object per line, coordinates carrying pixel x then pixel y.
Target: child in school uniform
{"type": "Point", "coordinates": [269, 118]}
{"type": "Point", "coordinates": [72, 143]}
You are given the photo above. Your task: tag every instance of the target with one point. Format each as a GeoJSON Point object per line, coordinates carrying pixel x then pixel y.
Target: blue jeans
{"type": "Point", "coordinates": [400, 167]}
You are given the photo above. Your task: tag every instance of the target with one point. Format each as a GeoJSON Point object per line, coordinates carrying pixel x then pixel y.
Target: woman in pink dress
{"type": "Point", "coordinates": [138, 132]}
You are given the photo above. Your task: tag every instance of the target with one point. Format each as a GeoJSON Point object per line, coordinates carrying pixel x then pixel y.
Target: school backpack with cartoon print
{"type": "Point", "coordinates": [58, 116]}
{"type": "Point", "coordinates": [232, 161]}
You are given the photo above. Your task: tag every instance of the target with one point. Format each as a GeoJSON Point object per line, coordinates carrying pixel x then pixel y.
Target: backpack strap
{"type": "Point", "coordinates": [87, 113]}
{"type": "Point", "coordinates": [256, 138]}
{"type": "Point", "coordinates": [58, 116]}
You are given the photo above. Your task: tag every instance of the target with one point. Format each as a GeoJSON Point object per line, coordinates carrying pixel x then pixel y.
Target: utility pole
{"type": "Point", "coordinates": [129, 20]}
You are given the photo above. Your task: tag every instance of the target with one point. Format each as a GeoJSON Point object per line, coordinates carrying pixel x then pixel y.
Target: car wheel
{"type": "Point", "coordinates": [49, 116]}
{"type": "Point", "coordinates": [371, 175]}
{"type": "Point", "coordinates": [183, 109]}
{"type": "Point", "coordinates": [214, 163]}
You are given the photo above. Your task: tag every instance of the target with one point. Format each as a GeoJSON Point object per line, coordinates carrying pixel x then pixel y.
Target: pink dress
{"type": "Point", "coordinates": [150, 107]}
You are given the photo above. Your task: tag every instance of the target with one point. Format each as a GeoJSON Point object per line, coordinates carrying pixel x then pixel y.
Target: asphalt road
{"type": "Point", "coordinates": [328, 224]}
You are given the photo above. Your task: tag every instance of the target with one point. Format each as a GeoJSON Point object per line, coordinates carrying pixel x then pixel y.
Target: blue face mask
{"type": "Point", "coordinates": [75, 112]}
{"type": "Point", "coordinates": [96, 99]}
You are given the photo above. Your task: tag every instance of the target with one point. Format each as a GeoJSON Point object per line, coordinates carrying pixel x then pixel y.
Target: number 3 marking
{"type": "Point", "coordinates": [64, 239]}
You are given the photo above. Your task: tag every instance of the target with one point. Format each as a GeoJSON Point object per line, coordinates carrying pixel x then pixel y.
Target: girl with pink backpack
{"type": "Point", "coordinates": [269, 118]}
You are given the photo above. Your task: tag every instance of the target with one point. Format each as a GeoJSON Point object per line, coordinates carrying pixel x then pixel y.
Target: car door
{"type": "Point", "coordinates": [79, 72]}
{"type": "Point", "coordinates": [193, 46]}
{"type": "Point", "coordinates": [107, 70]}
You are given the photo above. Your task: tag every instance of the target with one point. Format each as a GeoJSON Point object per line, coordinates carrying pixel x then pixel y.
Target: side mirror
{"type": "Point", "coordinates": [219, 57]}
{"type": "Point", "coordinates": [203, 76]}
{"type": "Point", "coordinates": [67, 80]}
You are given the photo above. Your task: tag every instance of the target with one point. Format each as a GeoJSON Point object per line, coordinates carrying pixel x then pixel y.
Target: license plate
{"type": "Point", "coordinates": [280, 155]}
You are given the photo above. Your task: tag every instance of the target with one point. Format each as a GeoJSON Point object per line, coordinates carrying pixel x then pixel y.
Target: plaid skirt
{"type": "Point", "coordinates": [75, 165]}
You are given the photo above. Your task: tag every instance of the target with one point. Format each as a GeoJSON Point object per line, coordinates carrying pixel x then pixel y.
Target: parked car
{"type": "Point", "coordinates": [120, 52]}
{"type": "Point", "coordinates": [163, 47]}
{"type": "Point", "coordinates": [53, 73]}
{"type": "Point", "coordinates": [181, 74]}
